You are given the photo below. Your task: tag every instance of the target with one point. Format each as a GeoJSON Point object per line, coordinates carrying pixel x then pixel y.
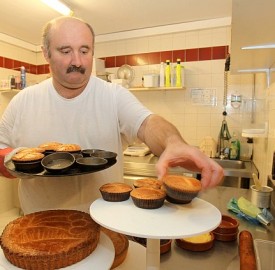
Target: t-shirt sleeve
{"type": "Point", "coordinates": [131, 113]}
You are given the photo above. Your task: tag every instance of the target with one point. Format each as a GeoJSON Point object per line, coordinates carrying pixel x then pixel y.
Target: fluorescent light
{"type": "Point", "coordinates": [58, 6]}
{"type": "Point", "coordinates": [262, 46]}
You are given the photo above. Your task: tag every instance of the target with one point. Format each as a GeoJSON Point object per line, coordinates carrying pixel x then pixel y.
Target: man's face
{"type": "Point", "coordinates": [70, 54]}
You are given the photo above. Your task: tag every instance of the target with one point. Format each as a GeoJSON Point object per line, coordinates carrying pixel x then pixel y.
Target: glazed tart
{"type": "Point", "coordinates": [50, 239]}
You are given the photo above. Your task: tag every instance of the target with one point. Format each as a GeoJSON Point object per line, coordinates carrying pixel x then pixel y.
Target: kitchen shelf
{"type": "Point", "coordinates": [155, 88]}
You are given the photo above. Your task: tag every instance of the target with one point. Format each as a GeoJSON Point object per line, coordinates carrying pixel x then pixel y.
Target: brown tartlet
{"type": "Point", "coordinates": [25, 156]}
{"type": "Point", "coordinates": [148, 198]}
{"type": "Point", "coordinates": [50, 239]}
{"type": "Point", "coordinates": [50, 146]}
{"type": "Point", "coordinates": [115, 192]}
{"type": "Point", "coordinates": [181, 189]}
{"type": "Point", "coordinates": [147, 182]}
{"type": "Point", "coordinates": [69, 147]}
{"type": "Point", "coordinates": [121, 245]}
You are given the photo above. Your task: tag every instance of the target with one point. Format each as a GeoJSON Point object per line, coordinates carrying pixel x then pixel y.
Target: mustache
{"type": "Point", "coordinates": [76, 69]}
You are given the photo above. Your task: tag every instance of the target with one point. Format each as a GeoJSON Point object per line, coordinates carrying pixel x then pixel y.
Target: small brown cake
{"type": "Point", "coordinates": [25, 156]}
{"type": "Point", "coordinates": [32, 149]}
{"type": "Point", "coordinates": [147, 182]}
{"type": "Point", "coordinates": [50, 146]}
{"type": "Point", "coordinates": [148, 198]}
{"type": "Point", "coordinates": [121, 245]}
{"type": "Point", "coordinates": [50, 239]}
{"type": "Point", "coordinates": [115, 192]}
{"type": "Point", "coordinates": [70, 147]}
{"type": "Point", "coordinates": [181, 189]}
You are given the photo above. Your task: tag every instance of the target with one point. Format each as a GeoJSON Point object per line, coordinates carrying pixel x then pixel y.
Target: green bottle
{"type": "Point", "coordinates": [235, 148]}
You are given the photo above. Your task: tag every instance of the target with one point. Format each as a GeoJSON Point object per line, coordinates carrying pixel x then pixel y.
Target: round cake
{"type": "Point", "coordinates": [147, 182]}
{"type": "Point", "coordinates": [25, 156]}
{"type": "Point", "coordinates": [181, 189]}
{"type": "Point", "coordinates": [49, 239]}
{"type": "Point", "coordinates": [115, 192]}
{"type": "Point", "coordinates": [32, 149]}
{"type": "Point", "coordinates": [121, 245]}
{"type": "Point", "coordinates": [70, 147]}
{"type": "Point", "coordinates": [148, 198]}
{"type": "Point", "coordinates": [50, 146]}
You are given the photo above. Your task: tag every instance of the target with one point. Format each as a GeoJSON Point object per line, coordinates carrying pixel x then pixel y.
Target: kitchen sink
{"type": "Point", "coordinates": [231, 164]}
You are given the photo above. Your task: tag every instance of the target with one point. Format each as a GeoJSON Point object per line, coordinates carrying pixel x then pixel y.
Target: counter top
{"type": "Point", "coordinates": [223, 255]}
{"type": "Point", "coordinates": [145, 166]}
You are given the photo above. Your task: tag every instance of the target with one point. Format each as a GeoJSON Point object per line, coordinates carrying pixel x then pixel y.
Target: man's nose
{"type": "Point", "coordinates": [76, 59]}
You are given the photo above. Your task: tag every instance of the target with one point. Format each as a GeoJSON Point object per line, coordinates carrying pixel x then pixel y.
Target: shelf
{"type": "Point", "coordinates": [155, 88]}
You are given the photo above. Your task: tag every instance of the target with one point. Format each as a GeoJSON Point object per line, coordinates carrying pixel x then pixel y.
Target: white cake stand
{"type": "Point", "coordinates": [171, 221]}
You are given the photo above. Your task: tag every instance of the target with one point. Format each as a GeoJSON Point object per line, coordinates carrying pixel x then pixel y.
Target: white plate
{"type": "Point", "coordinates": [101, 259]}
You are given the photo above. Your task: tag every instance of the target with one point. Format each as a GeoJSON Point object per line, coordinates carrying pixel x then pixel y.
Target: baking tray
{"type": "Point", "coordinates": [74, 170]}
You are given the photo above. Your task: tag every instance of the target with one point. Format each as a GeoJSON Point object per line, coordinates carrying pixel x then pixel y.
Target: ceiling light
{"type": "Point", "coordinates": [59, 7]}
{"type": "Point", "coordinates": [262, 46]}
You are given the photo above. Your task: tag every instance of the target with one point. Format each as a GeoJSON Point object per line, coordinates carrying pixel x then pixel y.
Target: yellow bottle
{"type": "Point", "coordinates": [167, 74]}
{"type": "Point", "coordinates": [178, 74]}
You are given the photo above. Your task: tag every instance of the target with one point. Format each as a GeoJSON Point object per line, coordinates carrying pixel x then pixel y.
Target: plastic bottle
{"type": "Point", "coordinates": [161, 74]}
{"type": "Point", "coordinates": [178, 74]}
{"type": "Point", "coordinates": [167, 74]}
{"type": "Point", "coordinates": [12, 82]}
{"type": "Point", "coordinates": [23, 77]}
{"type": "Point", "coordinates": [235, 148]}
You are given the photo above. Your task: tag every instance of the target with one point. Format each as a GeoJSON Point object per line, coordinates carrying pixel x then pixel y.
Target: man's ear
{"type": "Point", "coordinates": [45, 53]}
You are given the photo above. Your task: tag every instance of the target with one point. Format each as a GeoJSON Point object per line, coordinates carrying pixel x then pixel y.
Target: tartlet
{"type": "Point", "coordinates": [121, 245]}
{"type": "Point", "coordinates": [69, 147]}
{"type": "Point", "coordinates": [25, 156]}
{"type": "Point", "coordinates": [181, 189]}
{"type": "Point", "coordinates": [50, 239]}
{"type": "Point", "coordinates": [147, 182]}
{"type": "Point", "coordinates": [200, 242]}
{"type": "Point", "coordinates": [50, 146]}
{"type": "Point", "coordinates": [148, 198]}
{"type": "Point", "coordinates": [115, 192]}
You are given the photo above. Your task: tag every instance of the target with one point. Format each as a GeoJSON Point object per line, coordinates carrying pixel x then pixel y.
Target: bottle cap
{"type": "Point", "coordinates": [178, 59]}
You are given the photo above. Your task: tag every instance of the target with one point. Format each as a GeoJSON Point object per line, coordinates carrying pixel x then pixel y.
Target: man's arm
{"type": "Point", "coordinates": [165, 141]}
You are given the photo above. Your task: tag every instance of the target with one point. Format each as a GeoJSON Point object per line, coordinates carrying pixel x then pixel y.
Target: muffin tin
{"type": "Point", "coordinates": [76, 166]}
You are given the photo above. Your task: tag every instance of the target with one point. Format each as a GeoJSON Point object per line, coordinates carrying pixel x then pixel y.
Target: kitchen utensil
{"type": "Point", "coordinates": [88, 163]}
{"type": "Point", "coordinates": [261, 198]}
{"type": "Point", "coordinates": [127, 73]}
{"type": "Point", "coordinates": [58, 162]}
{"type": "Point", "coordinates": [228, 225]}
{"type": "Point", "coordinates": [251, 210]}
{"type": "Point", "coordinates": [257, 182]}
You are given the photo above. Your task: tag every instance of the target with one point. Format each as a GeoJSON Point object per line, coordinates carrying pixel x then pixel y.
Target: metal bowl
{"type": "Point", "coordinates": [28, 167]}
{"type": "Point", "coordinates": [58, 162]}
{"type": "Point", "coordinates": [91, 163]}
{"type": "Point", "coordinates": [110, 156]}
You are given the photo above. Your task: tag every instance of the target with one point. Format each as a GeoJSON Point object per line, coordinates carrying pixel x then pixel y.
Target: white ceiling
{"type": "Point", "coordinates": [24, 19]}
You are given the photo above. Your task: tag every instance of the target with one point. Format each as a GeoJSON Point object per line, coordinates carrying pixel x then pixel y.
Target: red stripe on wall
{"type": "Point", "coordinates": [188, 55]}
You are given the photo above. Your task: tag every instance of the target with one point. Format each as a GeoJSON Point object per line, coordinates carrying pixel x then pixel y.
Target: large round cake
{"type": "Point", "coordinates": [50, 239]}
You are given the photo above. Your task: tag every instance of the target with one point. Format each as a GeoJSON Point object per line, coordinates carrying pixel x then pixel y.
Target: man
{"type": "Point", "coordinates": [75, 107]}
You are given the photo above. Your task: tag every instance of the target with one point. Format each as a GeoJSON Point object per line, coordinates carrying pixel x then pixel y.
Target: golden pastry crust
{"type": "Point", "coordinates": [50, 146]}
{"type": "Point", "coordinates": [121, 245]}
{"type": "Point", "coordinates": [32, 149]}
{"type": "Point", "coordinates": [181, 189]}
{"type": "Point", "coordinates": [148, 198]}
{"type": "Point", "coordinates": [50, 239]}
{"type": "Point", "coordinates": [26, 156]}
{"type": "Point", "coordinates": [183, 183]}
{"type": "Point", "coordinates": [115, 192]}
{"type": "Point", "coordinates": [68, 148]}
{"type": "Point", "coordinates": [147, 182]}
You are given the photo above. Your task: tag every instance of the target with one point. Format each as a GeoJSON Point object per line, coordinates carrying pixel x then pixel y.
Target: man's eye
{"type": "Point", "coordinates": [65, 51]}
{"type": "Point", "coordinates": [84, 51]}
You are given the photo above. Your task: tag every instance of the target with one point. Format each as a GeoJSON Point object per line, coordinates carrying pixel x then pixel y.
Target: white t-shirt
{"type": "Point", "coordinates": [105, 116]}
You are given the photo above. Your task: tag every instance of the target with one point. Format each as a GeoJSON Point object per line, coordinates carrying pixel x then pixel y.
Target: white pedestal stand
{"type": "Point", "coordinates": [171, 221]}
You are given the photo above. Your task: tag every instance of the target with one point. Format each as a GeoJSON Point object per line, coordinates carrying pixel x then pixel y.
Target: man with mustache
{"type": "Point", "coordinates": [75, 107]}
